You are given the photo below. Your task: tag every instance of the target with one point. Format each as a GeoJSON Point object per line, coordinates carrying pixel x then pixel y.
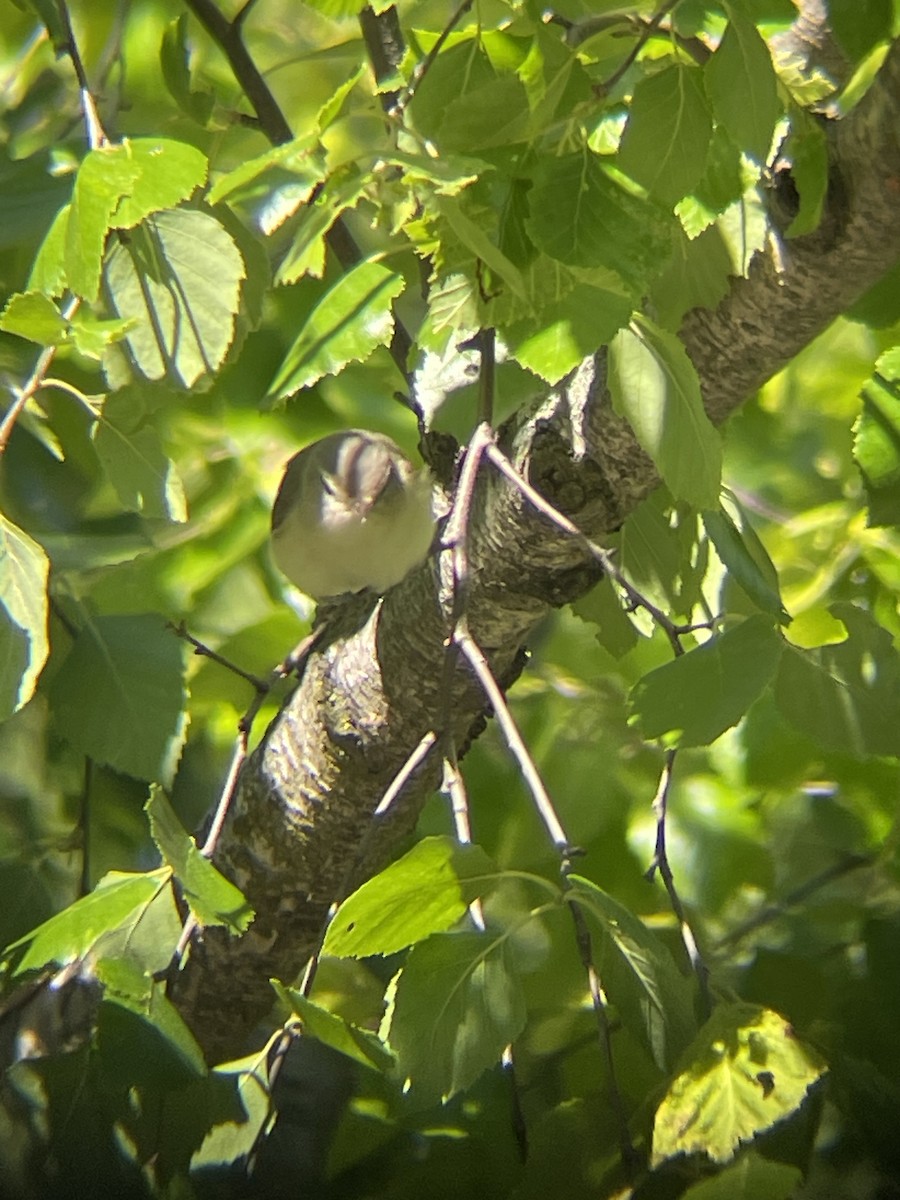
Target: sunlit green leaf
{"type": "Point", "coordinates": [23, 616]}
{"type": "Point", "coordinates": [346, 325]}
{"type": "Point", "coordinates": [425, 891]}
{"type": "Point", "coordinates": [301, 160]}
{"type": "Point", "coordinates": [236, 1134]}
{"type": "Point", "coordinates": [746, 1070]}
{"type": "Point", "coordinates": [741, 83]}
{"type": "Point", "coordinates": [566, 330]}
{"type": "Point", "coordinates": [583, 218]}
{"type": "Point", "coordinates": [307, 251]}
{"type": "Point", "coordinates": [34, 316]}
{"type": "Point", "coordinates": [118, 900]}
{"type": "Point", "coordinates": [653, 383]}
{"type": "Point", "coordinates": [330, 1029]}
{"type": "Point", "coordinates": [212, 898]}
{"type": "Point", "coordinates": [160, 276]}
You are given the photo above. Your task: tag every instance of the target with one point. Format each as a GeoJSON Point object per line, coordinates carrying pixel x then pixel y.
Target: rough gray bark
{"type": "Point", "coordinates": [300, 832]}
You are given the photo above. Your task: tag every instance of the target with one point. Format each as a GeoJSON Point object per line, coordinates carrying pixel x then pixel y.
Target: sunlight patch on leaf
{"type": "Point", "coordinates": [745, 1071]}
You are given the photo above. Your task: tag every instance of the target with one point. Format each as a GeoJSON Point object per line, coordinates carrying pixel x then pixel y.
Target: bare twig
{"type": "Point", "coordinates": [228, 34]}
{"type": "Point", "coordinates": [661, 863]}
{"type": "Point", "coordinates": [600, 1005]}
{"type": "Point", "coordinates": [455, 547]}
{"type": "Point", "coordinates": [846, 864]}
{"type": "Point", "coordinates": [34, 382]}
{"type": "Point", "coordinates": [646, 34]}
{"type": "Point", "coordinates": [425, 66]}
{"type": "Point", "coordinates": [95, 133]}
{"type": "Point", "coordinates": [414, 760]}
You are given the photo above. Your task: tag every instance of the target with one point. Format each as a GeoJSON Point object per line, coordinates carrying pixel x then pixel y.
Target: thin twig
{"type": "Point", "coordinates": [600, 1005]}
{"type": "Point", "coordinates": [514, 740]}
{"type": "Point", "coordinates": [661, 863]}
{"type": "Point", "coordinates": [96, 136]}
{"type": "Point", "coordinates": [648, 31]}
{"type": "Point", "coordinates": [228, 34]}
{"type": "Point", "coordinates": [204, 651]}
{"type": "Point", "coordinates": [455, 547]}
{"type": "Point", "coordinates": [426, 64]}
{"type": "Point", "coordinates": [34, 382]}
{"type": "Point", "coordinates": [413, 761]}
{"type": "Point", "coordinates": [487, 376]}
{"type": "Point", "coordinates": [850, 862]}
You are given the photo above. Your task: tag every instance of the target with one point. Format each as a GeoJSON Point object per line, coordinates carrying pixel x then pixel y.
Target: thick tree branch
{"type": "Point", "coordinates": [369, 695]}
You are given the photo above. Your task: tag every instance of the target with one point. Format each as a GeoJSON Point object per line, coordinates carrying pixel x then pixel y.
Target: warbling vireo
{"type": "Point", "coordinates": [352, 513]}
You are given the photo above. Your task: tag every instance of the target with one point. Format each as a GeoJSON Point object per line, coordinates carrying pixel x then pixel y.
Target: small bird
{"type": "Point", "coordinates": [352, 512]}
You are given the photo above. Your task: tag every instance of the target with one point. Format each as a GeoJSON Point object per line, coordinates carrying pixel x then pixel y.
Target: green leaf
{"type": "Point", "coordinates": [301, 162]}
{"type": "Point", "coordinates": [169, 172]}
{"type": "Point", "coordinates": [116, 188]}
{"type": "Point", "coordinates": [48, 274]}
{"type": "Point", "coordinates": [213, 899]}
{"type": "Point", "coordinates": [306, 255]}
{"type": "Point", "coordinates": [750, 1178]}
{"type": "Point", "coordinates": [448, 175]}
{"type": "Point", "coordinates": [141, 1037]}
{"type": "Point", "coordinates": [475, 239]}
{"type": "Point", "coordinates": [119, 697]}
{"type": "Point", "coordinates": [876, 442]}
{"type": "Point", "coordinates": [603, 609]}
{"type": "Point", "coordinates": [456, 1007]}
{"type": "Point", "coordinates": [236, 1137]}
{"type": "Point", "coordinates": [24, 647]}
{"type": "Point", "coordinates": [695, 277]}
{"type": "Point", "coordinates": [845, 696]}
{"type": "Point", "coordinates": [656, 555]}
{"type": "Point", "coordinates": [128, 447]}
{"type": "Point", "coordinates": [746, 1070]}
{"type": "Point", "coordinates": [92, 337]}
{"type": "Point", "coordinates": [651, 995]}
{"type": "Point", "coordinates": [118, 900]}
{"type": "Point", "coordinates": [665, 142]}
{"type": "Point", "coordinates": [654, 385]}
{"type": "Point", "coordinates": [746, 558]}
{"type": "Point", "coordinates": [742, 86]}
{"type": "Point", "coordinates": [693, 699]}
{"type": "Point", "coordinates": [178, 276]}
{"type": "Point", "coordinates": [103, 178]}
{"type": "Point", "coordinates": [346, 325]}
{"type": "Point", "coordinates": [568, 329]}
{"type": "Point", "coordinates": [581, 217]}
{"type": "Point", "coordinates": [330, 1029]}
{"type": "Point", "coordinates": [34, 316]}
{"type": "Point", "coordinates": [424, 892]}
{"type": "Point", "coordinates": [494, 114]}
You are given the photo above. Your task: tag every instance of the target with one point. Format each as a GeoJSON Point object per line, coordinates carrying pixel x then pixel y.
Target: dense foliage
{"type": "Point", "coordinates": [223, 235]}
